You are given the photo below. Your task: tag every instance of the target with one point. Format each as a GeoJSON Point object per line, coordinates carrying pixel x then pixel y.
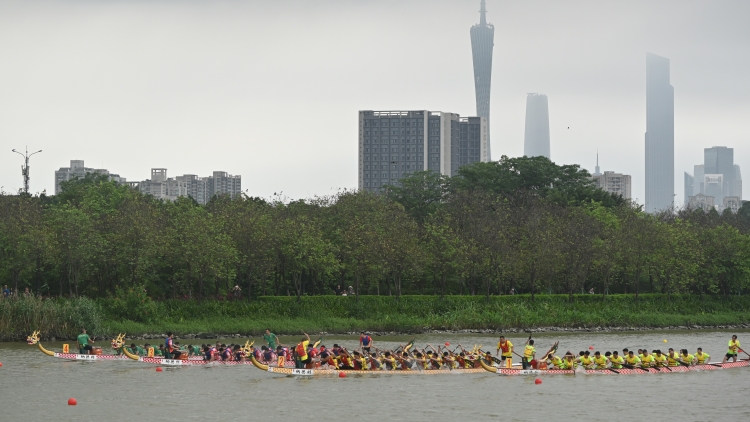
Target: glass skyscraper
{"type": "Point", "coordinates": [536, 135]}
{"type": "Point", "coordinates": [482, 41]}
{"type": "Point", "coordinates": [659, 135]}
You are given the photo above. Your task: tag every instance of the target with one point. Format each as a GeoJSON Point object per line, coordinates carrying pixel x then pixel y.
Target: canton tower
{"type": "Point", "coordinates": [482, 41]}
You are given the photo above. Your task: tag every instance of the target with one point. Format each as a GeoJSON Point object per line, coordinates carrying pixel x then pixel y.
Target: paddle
{"type": "Point", "coordinates": [748, 354]}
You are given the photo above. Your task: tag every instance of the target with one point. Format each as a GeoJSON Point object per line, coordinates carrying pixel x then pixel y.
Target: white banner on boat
{"type": "Point", "coordinates": [171, 362]}
{"type": "Point", "coordinates": [302, 371]}
{"type": "Point", "coordinates": [86, 357]}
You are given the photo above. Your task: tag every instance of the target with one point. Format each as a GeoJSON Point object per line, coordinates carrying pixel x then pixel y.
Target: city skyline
{"type": "Point", "coordinates": [200, 86]}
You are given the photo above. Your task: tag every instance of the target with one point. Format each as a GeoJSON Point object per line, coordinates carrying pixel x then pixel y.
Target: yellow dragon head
{"type": "Point", "coordinates": [118, 342]}
{"type": "Point", "coordinates": [247, 349]}
{"type": "Point", "coordinates": [33, 338]}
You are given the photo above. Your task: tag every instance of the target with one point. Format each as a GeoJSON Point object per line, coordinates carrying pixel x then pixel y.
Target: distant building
{"type": "Point", "coordinates": [718, 177]}
{"type": "Point", "coordinates": [732, 203]}
{"type": "Point", "coordinates": [701, 201]}
{"type": "Point", "coordinates": [201, 189]}
{"type": "Point", "coordinates": [612, 182]}
{"type": "Point", "coordinates": [659, 135]}
{"type": "Point", "coordinates": [536, 134]}
{"type": "Point", "coordinates": [689, 186]}
{"type": "Point", "coordinates": [78, 170]}
{"type": "Point", "coordinates": [393, 144]}
{"type": "Point", "coordinates": [482, 41]}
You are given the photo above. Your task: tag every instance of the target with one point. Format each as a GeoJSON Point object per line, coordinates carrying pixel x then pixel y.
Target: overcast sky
{"type": "Point", "coordinates": [270, 90]}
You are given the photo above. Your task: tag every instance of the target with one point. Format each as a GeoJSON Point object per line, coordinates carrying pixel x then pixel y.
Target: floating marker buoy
{"type": "Point", "coordinates": [158, 369]}
{"type": "Point", "coordinates": [447, 343]}
{"type": "Point", "coordinates": [72, 402]}
{"type": "Point", "coordinates": [538, 381]}
{"type": "Point", "coordinates": [342, 375]}
{"type": "Point", "coordinates": [665, 340]}
{"type": "Point", "coordinates": [591, 347]}
{"type": "Point", "coordinates": [1, 364]}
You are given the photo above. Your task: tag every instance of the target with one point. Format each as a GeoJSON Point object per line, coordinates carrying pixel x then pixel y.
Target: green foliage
{"type": "Point", "coordinates": [131, 303]}
{"type": "Point", "coordinates": [20, 316]}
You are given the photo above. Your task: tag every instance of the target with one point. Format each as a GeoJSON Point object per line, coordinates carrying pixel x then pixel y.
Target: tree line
{"type": "Point", "coordinates": [522, 225]}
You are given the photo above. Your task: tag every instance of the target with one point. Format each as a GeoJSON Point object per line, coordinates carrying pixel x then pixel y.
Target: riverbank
{"type": "Point", "coordinates": [63, 318]}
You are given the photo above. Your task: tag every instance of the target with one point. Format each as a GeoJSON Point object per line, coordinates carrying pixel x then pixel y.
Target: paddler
{"type": "Point", "coordinates": [647, 360]}
{"type": "Point", "coordinates": [600, 361]}
{"type": "Point", "coordinates": [632, 360]}
{"type": "Point", "coordinates": [586, 360]}
{"type": "Point", "coordinates": [700, 357]}
{"type": "Point", "coordinates": [734, 347]}
{"type": "Point", "coordinates": [506, 347]}
{"type": "Point", "coordinates": [659, 359]}
{"type": "Point", "coordinates": [83, 343]}
{"type": "Point", "coordinates": [300, 351]}
{"type": "Point", "coordinates": [686, 357]}
{"type": "Point", "coordinates": [672, 359]}
{"type": "Point", "coordinates": [529, 353]}
{"type": "Point", "coordinates": [616, 360]}
{"type": "Point", "coordinates": [136, 350]}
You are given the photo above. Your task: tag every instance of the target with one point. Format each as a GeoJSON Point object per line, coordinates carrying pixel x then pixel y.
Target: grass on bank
{"type": "Point", "coordinates": [336, 314]}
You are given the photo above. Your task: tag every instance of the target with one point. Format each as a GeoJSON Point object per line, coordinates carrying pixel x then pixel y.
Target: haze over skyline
{"type": "Point", "coordinates": [272, 90]}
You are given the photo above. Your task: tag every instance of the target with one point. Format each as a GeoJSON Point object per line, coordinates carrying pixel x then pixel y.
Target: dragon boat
{"type": "Point", "coordinates": [713, 366]}
{"type": "Point", "coordinates": [117, 343]}
{"type": "Point", "coordinates": [246, 350]}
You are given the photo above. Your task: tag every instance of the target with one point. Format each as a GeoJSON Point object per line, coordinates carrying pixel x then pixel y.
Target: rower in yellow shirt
{"type": "Point", "coordinates": [616, 360]}
{"type": "Point", "coordinates": [568, 362]}
{"type": "Point", "coordinates": [672, 359]}
{"type": "Point", "coordinates": [686, 357]}
{"type": "Point", "coordinates": [529, 353]}
{"type": "Point", "coordinates": [647, 360]}
{"type": "Point", "coordinates": [586, 360]}
{"type": "Point", "coordinates": [632, 360]}
{"type": "Point", "coordinates": [659, 359]}
{"type": "Point", "coordinates": [734, 347]}
{"type": "Point", "coordinates": [701, 358]}
{"type": "Point", "coordinates": [600, 361]}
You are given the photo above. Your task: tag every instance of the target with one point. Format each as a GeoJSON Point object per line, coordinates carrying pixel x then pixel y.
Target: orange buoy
{"type": "Point", "coordinates": [72, 402]}
{"type": "Point", "coordinates": [1, 364]}
{"type": "Point", "coordinates": [538, 381]}
{"type": "Point", "coordinates": [447, 343]}
{"type": "Point", "coordinates": [591, 347]}
{"type": "Point", "coordinates": [342, 375]}
{"type": "Point", "coordinates": [158, 369]}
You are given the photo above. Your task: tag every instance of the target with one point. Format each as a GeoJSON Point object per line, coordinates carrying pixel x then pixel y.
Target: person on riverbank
{"type": "Point", "coordinates": [365, 341]}
{"type": "Point", "coordinates": [83, 342]}
{"type": "Point", "coordinates": [506, 347]}
{"type": "Point", "coordinates": [271, 339]}
{"type": "Point", "coordinates": [301, 357]}
{"type": "Point", "coordinates": [734, 348]}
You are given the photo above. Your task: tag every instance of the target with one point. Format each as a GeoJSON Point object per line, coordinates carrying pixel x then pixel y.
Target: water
{"type": "Point", "coordinates": [34, 385]}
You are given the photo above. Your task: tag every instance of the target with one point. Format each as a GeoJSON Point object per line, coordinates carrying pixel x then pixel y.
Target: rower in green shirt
{"type": "Point", "coordinates": [271, 339]}
{"type": "Point", "coordinates": [83, 342]}
{"type": "Point", "coordinates": [136, 350]}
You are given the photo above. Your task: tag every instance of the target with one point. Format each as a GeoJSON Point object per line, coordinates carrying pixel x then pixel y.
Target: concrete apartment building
{"type": "Point", "coordinates": [612, 182]}
{"type": "Point", "coordinates": [201, 189]}
{"type": "Point", "coordinates": [78, 170]}
{"type": "Point", "coordinates": [393, 144]}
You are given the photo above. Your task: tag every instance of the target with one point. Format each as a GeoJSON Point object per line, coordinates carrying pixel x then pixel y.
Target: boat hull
{"type": "Point", "coordinates": [623, 371]}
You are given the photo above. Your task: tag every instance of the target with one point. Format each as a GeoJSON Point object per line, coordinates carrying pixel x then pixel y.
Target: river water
{"type": "Point", "coordinates": [35, 386]}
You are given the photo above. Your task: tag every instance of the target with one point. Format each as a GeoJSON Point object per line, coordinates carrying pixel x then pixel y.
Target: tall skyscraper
{"type": "Point", "coordinates": [393, 144]}
{"type": "Point", "coordinates": [482, 41]}
{"type": "Point", "coordinates": [659, 135]}
{"type": "Point", "coordinates": [536, 136]}
{"type": "Point", "coordinates": [720, 160]}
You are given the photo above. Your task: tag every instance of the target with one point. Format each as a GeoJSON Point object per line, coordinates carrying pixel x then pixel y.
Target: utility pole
{"type": "Point", "coordinates": [25, 167]}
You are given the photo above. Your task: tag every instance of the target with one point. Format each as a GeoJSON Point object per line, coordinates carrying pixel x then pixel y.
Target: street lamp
{"type": "Point", "coordinates": [25, 167]}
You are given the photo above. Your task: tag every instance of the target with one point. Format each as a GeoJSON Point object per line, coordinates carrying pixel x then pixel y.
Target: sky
{"type": "Point", "coordinates": [271, 90]}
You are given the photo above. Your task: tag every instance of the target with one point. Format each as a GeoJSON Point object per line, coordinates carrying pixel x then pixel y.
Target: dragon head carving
{"type": "Point", "coordinates": [118, 342]}
{"type": "Point", "coordinates": [247, 349]}
{"type": "Point", "coordinates": [33, 338]}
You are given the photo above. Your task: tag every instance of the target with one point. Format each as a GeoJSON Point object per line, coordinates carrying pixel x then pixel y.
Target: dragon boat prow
{"type": "Point", "coordinates": [34, 339]}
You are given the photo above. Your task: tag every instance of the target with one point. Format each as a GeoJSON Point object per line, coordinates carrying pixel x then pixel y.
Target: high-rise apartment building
{"type": "Point", "coordinates": [612, 182]}
{"type": "Point", "coordinates": [689, 186]}
{"type": "Point", "coordinates": [536, 135]}
{"type": "Point", "coordinates": [482, 41]}
{"type": "Point", "coordinates": [78, 170]}
{"type": "Point", "coordinates": [720, 160]}
{"type": "Point", "coordinates": [659, 135]}
{"type": "Point", "coordinates": [393, 144]}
